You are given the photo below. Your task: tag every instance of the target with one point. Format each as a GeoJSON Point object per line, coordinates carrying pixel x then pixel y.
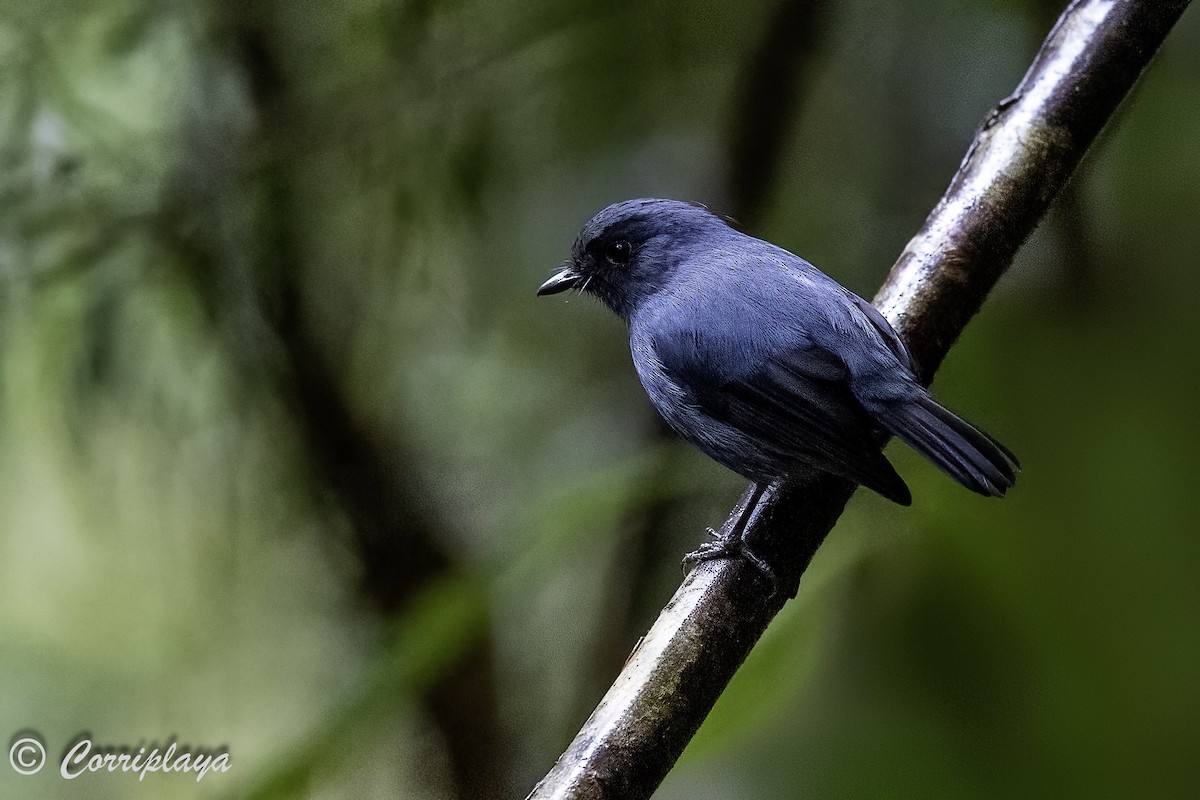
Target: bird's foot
{"type": "Point", "coordinates": [719, 547]}
{"type": "Point", "coordinates": [733, 546]}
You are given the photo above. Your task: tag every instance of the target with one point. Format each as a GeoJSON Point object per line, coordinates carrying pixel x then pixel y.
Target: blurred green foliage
{"type": "Point", "coordinates": [294, 462]}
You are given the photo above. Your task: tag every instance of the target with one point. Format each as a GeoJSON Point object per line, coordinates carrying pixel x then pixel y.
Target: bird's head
{"type": "Point", "coordinates": [627, 252]}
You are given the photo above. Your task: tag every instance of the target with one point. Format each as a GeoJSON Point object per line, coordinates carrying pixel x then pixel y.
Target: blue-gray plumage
{"type": "Point", "coordinates": [761, 360]}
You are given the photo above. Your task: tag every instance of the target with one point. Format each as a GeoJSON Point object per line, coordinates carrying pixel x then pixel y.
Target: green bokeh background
{"type": "Point", "coordinates": [293, 461]}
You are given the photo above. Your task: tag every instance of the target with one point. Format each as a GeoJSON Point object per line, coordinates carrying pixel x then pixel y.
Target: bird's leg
{"type": "Point", "coordinates": [733, 544]}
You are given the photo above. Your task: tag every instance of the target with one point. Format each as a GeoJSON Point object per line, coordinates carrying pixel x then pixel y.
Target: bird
{"type": "Point", "coordinates": [763, 362]}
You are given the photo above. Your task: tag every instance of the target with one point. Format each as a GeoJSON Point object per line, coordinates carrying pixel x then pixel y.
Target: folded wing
{"type": "Point", "coordinates": [796, 406]}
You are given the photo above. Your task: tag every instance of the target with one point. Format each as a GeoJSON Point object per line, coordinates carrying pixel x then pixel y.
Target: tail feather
{"type": "Point", "coordinates": [959, 449]}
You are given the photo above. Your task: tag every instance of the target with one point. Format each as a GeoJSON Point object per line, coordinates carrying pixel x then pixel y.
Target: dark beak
{"type": "Point", "coordinates": [565, 278]}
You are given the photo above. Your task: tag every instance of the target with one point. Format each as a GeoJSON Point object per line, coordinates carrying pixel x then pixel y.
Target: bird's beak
{"type": "Point", "coordinates": [565, 278]}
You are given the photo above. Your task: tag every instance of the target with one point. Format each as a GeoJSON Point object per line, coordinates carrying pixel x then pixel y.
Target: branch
{"type": "Point", "coordinates": [1020, 158]}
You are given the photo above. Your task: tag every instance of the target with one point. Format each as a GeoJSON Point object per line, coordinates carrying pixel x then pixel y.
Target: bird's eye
{"type": "Point", "coordinates": [618, 252]}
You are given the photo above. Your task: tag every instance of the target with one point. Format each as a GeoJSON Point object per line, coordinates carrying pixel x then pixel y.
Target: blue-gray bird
{"type": "Point", "coordinates": [761, 360]}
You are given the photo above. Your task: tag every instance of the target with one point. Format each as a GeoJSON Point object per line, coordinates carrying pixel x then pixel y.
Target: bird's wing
{"type": "Point", "coordinates": [887, 334]}
{"type": "Point", "coordinates": [796, 403]}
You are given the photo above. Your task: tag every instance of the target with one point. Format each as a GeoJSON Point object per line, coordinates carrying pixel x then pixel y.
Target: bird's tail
{"type": "Point", "coordinates": [959, 449]}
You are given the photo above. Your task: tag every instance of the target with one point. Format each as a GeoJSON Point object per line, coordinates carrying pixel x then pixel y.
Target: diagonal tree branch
{"type": "Point", "coordinates": [1023, 153]}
